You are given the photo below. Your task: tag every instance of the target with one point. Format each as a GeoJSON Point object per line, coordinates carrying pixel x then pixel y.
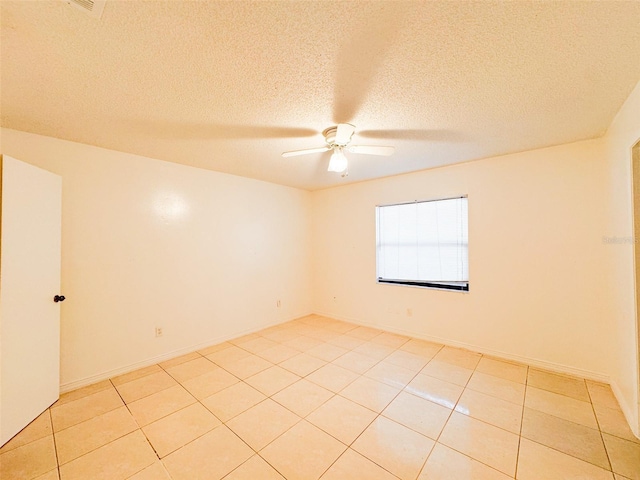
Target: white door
{"type": "Point", "coordinates": [29, 279]}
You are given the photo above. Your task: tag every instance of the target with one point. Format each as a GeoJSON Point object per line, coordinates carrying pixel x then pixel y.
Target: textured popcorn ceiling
{"type": "Point", "coordinates": [228, 86]}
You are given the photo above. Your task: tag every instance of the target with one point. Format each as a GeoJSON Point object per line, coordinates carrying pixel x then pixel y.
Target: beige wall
{"type": "Point", "coordinates": [537, 293]}
{"type": "Point", "coordinates": [146, 243]}
{"type": "Point", "coordinates": [623, 133]}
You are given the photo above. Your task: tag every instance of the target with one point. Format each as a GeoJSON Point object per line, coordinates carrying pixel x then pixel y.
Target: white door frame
{"type": "Point", "coordinates": [635, 187]}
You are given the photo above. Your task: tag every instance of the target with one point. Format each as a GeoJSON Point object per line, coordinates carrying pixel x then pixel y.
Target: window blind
{"type": "Point", "coordinates": [424, 243]}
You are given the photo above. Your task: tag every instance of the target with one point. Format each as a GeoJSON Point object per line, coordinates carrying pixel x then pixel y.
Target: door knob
{"type": "Point", "coordinates": [58, 298]}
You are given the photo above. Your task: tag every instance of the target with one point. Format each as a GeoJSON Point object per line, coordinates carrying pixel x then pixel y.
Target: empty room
{"type": "Point", "coordinates": [313, 240]}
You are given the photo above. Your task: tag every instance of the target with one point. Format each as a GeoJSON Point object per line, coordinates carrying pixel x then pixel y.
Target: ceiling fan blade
{"type": "Point", "coordinates": [431, 135]}
{"type": "Point", "coordinates": [364, 51]}
{"type": "Point", "coordinates": [344, 133]}
{"type": "Point", "coordinates": [371, 149]}
{"type": "Point", "coordinates": [181, 130]}
{"type": "Point", "coordinates": [306, 151]}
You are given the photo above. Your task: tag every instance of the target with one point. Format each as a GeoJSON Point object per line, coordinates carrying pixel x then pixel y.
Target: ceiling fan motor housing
{"type": "Point", "coordinates": [330, 135]}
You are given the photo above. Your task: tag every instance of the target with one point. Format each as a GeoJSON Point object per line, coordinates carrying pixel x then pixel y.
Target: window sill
{"type": "Point", "coordinates": [462, 287]}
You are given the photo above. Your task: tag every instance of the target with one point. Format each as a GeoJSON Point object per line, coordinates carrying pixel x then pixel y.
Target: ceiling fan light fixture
{"type": "Point", "coordinates": [338, 162]}
{"type": "Point", "coordinates": [338, 139]}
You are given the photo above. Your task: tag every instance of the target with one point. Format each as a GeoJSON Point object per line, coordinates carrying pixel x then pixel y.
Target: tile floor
{"type": "Point", "coordinates": [318, 398]}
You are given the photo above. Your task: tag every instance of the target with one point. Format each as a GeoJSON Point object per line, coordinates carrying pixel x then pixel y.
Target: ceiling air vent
{"type": "Point", "coordinates": [92, 7]}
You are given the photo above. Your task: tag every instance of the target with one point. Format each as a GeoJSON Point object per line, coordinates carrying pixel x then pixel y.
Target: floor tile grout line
{"type": "Point", "coordinates": [364, 456]}
{"type": "Point", "coordinates": [471, 458]}
{"type": "Point", "coordinates": [29, 442]}
{"type": "Point", "coordinates": [226, 369]}
{"type": "Point", "coordinates": [257, 452]}
{"type": "Point", "coordinates": [272, 440]}
{"type": "Point", "coordinates": [526, 380]}
{"type": "Point", "coordinates": [163, 416]}
{"type": "Point", "coordinates": [190, 378]}
{"type": "Point", "coordinates": [604, 444]}
{"type": "Point", "coordinates": [55, 406]}
{"type": "Point", "coordinates": [55, 445]}
{"type": "Point", "coordinates": [180, 363]}
{"type": "Point", "coordinates": [447, 421]}
{"type": "Point", "coordinates": [486, 423]}
{"type": "Point", "coordinates": [567, 420]}
{"type": "Point", "coordinates": [136, 473]}
{"type": "Point", "coordinates": [83, 421]}
{"type": "Point", "coordinates": [153, 393]}
{"type": "Point", "coordinates": [182, 446]}
{"type": "Point", "coordinates": [134, 419]}
{"type": "Point", "coordinates": [226, 475]}
{"type": "Point", "coordinates": [127, 404]}
{"type": "Point", "coordinates": [99, 447]}
{"type": "Point", "coordinates": [350, 445]}
{"type": "Point", "coordinates": [178, 410]}
{"type": "Point", "coordinates": [111, 379]}
{"type": "Point", "coordinates": [491, 394]}
{"type": "Point", "coordinates": [57, 403]}
{"type": "Point", "coordinates": [209, 431]}
{"type": "Point", "coordinates": [569, 455]}
{"type": "Point", "coordinates": [175, 411]}
{"type": "Point", "coordinates": [103, 445]}
{"type": "Point", "coordinates": [333, 394]}
{"type": "Point", "coordinates": [53, 433]}
{"type": "Point", "coordinates": [332, 463]}
{"type": "Point", "coordinates": [558, 393]}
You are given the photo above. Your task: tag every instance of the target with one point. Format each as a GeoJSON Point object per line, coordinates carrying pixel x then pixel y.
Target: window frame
{"type": "Point", "coordinates": [454, 286]}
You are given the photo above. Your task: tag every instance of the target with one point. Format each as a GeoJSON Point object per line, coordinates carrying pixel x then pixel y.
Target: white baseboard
{"type": "Point", "coordinates": [546, 365]}
{"type": "Point", "coordinates": [83, 382]}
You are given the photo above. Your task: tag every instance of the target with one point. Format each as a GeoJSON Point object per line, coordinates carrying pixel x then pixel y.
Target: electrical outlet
{"type": "Point", "coordinates": [278, 304]}
{"type": "Point", "coordinates": [158, 331]}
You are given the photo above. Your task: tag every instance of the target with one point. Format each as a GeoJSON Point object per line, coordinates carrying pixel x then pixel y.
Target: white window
{"type": "Point", "coordinates": [424, 244]}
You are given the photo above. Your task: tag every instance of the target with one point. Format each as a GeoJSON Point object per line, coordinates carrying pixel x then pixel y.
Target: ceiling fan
{"type": "Point", "coordinates": [338, 139]}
